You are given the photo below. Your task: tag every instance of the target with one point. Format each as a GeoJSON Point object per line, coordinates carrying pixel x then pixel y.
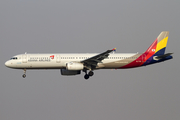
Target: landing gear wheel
{"type": "Point", "coordinates": [86, 76]}
{"type": "Point", "coordinates": [91, 73]}
{"type": "Point", "coordinates": [24, 75]}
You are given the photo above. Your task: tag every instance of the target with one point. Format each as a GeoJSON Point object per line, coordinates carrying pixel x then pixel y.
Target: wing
{"type": "Point", "coordinates": [93, 61]}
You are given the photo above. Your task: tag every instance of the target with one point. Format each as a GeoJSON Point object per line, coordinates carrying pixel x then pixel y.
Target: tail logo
{"type": "Point", "coordinates": [153, 50]}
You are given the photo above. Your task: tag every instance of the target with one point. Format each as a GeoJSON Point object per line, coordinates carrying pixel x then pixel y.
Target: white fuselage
{"type": "Point", "coordinates": [73, 64]}
{"type": "Point", "coordinates": [59, 61]}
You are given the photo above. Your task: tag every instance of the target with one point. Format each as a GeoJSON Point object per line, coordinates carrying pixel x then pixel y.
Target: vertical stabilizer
{"type": "Point", "coordinates": [159, 45]}
{"type": "Point", "coordinates": [162, 42]}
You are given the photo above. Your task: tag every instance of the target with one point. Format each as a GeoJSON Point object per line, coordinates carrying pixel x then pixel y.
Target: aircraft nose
{"type": "Point", "coordinates": [7, 63]}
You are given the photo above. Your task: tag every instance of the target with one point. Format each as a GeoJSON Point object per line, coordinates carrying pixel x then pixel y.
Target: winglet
{"type": "Point", "coordinates": [114, 49]}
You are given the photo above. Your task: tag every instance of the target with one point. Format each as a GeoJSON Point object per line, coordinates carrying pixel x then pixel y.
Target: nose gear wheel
{"type": "Point", "coordinates": [24, 75]}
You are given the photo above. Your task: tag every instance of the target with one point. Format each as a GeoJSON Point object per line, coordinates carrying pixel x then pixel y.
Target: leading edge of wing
{"type": "Point", "coordinates": [97, 58]}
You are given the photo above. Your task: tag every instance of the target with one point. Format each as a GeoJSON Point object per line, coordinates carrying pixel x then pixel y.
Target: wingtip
{"type": "Point", "coordinates": [114, 49]}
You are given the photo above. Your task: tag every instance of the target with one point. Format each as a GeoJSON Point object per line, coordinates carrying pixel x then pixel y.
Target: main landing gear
{"type": "Point", "coordinates": [87, 75]}
{"type": "Point", "coordinates": [24, 75]}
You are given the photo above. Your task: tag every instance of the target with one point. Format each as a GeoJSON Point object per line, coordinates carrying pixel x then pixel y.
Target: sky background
{"type": "Point", "coordinates": [89, 26]}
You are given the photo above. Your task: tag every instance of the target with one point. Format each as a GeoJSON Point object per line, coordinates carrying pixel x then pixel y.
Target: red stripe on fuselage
{"type": "Point", "coordinates": [151, 50]}
{"type": "Point", "coordinates": [135, 63]}
{"type": "Point", "coordinates": [145, 56]}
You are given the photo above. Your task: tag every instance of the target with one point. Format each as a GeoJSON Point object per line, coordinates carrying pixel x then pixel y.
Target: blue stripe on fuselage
{"type": "Point", "coordinates": [151, 60]}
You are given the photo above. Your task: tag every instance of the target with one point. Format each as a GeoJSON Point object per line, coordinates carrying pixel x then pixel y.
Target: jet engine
{"type": "Point", "coordinates": [70, 72]}
{"type": "Point", "coordinates": [74, 66]}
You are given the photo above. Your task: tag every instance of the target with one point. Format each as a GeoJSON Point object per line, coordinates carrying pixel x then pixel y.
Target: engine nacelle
{"type": "Point", "coordinates": [70, 72]}
{"type": "Point", "coordinates": [74, 66]}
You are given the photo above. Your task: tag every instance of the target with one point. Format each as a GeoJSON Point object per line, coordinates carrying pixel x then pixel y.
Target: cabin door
{"type": "Point", "coordinates": [24, 58]}
{"type": "Point", "coordinates": [58, 58]}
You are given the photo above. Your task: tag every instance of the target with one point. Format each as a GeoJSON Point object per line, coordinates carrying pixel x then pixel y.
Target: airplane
{"type": "Point", "coordinates": [73, 64]}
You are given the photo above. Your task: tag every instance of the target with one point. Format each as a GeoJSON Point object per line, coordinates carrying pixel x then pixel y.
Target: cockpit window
{"type": "Point", "coordinates": [14, 58]}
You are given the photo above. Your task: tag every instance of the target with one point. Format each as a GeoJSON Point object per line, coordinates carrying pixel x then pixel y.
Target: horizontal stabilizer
{"type": "Point", "coordinates": [163, 56]}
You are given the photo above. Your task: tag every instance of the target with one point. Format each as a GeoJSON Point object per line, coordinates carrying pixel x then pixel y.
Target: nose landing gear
{"type": "Point", "coordinates": [24, 75]}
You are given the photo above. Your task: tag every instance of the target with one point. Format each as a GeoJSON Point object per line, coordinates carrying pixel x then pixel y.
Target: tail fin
{"type": "Point", "coordinates": [155, 53]}
{"type": "Point", "coordinates": [162, 42]}
{"type": "Point", "coordinates": [159, 45]}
